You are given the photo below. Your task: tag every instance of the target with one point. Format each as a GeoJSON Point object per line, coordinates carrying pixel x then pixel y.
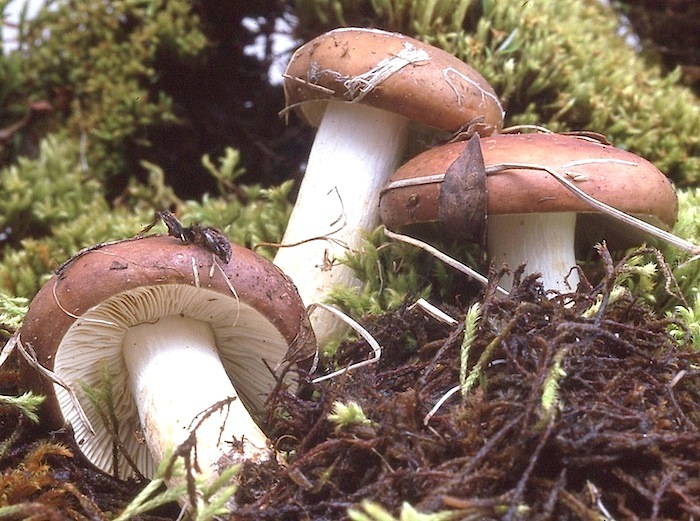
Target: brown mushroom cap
{"type": "Point", "coordinates": [611, 175]}
{"type": "Point", "coordinates": [248, 285]}
{"type": "Point", "coordinates": [392, 72]}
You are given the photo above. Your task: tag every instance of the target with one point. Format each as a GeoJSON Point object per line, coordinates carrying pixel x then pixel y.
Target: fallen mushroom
{"type": "Point", "coordinates": [362, 87]}
{"type": "Point", "coordinates": [532, 216]}
{"type": "Point", "coordinates": [177, 331]}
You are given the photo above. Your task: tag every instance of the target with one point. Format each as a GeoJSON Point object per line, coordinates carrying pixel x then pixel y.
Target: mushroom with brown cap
{"type": "Point", "coordinates": [362, 87]}
{"type": "Point", "coordinates": [176, 331]}
{"type": "Point", "coordinates": [532, 217]}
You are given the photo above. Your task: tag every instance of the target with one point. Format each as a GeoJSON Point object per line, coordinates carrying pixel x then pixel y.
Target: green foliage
{"type": "Point", "coordinates": [96, 61]}
{"type": "Point", "coordinates": [420, 17]}
{"type": "Point", "coordinates": [559, 64]}
{"type": "Point", "coordinates": [12, 311]}
{"type": "Point", "coordinates": [10, 82]}
{"type": "Point", "coordinates": [27, 404]}
{"type": "Point", "coordinates": [14, 101]}
{"type": "Point", "coordinates": [391, 273]}
{"type": "Point", "coordinates": [345, 415]}
{"type": "Point", "coordinates": [41, 197]}
{"type": "Point", "coordinates": [394, 272]}
{"type": "Point", "coordinates": [689, 317]}
{"type": "Point", "coordinates": [53, 209]}
{"type": "Point", "coordinates": [212, 497]}
{"type": "Point", "coordinates": [687, 269]}
{"type": "Point", "coordinates": [471, 325]}
{"type": "Point", "coordinates": [227, 170]}
{"type": "Point", "coordinates": [38, 194]}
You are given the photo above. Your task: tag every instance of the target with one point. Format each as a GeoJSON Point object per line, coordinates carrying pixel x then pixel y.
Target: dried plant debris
{"type": "Point", "coordinates": [577, 406]}
{"type": "Point", "coordinates": [578, 412]}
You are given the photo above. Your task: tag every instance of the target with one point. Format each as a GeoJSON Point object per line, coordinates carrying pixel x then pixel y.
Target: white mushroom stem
{"type": "Point", "coordinates": [545, 241]}
{"type": "Point", "coordinates": [176, 375]}
{"type": "Point", "coordinates": [356, 150]}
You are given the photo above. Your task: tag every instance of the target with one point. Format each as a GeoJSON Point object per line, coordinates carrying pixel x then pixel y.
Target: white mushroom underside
{"type": "Point", "coordinates": [544, 241]}
{"type": "Point", "coordinates": [92, 347]}
{"type": "Point", "coordinates": [179, 382]}
{"type": "Point", "coordinates": [356, 150]}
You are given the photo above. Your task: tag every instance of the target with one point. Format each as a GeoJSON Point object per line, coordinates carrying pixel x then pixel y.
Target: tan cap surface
{"type": "Point", "coordinates": [392, 72]}
{"type": "Point", "coordinates": [611, 175]}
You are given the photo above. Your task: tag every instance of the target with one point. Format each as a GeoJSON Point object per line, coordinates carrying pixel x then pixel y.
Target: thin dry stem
{"type": "Point", "coordinates": [376, 348]}
{"type": "Point", "coordinates": [433, 311]}
{"type": "Point", "coordinates": [443, 257]}
{"type": "Point", "coordinates": [29, 355]}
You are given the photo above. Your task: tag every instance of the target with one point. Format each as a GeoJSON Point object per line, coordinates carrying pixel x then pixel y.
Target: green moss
{"type": "Point", "coordinates": [686, 269]}
{"type": "Point", "coordinates": [51, 210]}
{"type": "Point", "coordinates": [391, 272]}
{"type": "Point", "coordinates": [12, 311]}
{"type": "Point", "coordinates": [41, 193]}
{"type": "Point", "coordinates": [96, 62]}
{"type": "Point", "coordinates": [558, 64]}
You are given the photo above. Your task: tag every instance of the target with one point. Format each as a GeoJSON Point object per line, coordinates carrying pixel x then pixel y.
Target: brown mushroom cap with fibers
{"type": "Point", "coordinates": [392, 72]}
{"type": "Point", "coordinates": [614, 176]}
{"type": "Point", "coordinates": [518, 196]}
{"type": "Point", "coordinates": [77, 320]}
{"type": "Point", "coordinates": [363, 88]}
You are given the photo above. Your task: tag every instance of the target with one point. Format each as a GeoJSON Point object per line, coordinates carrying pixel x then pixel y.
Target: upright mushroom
{"type": "Point", "coordinates": [176, 330]}
{"type": "Point", "coordinates": [532, 217]}
{"type": "Point", "coordinates": [362, 87]}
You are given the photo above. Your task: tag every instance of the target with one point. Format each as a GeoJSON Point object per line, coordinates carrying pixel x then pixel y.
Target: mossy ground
{"type": "Point", "coordinates": [575, 416]}
{"type": "Point", "coordinates": [572, 418]}
{"type": "Point", "coordinates": [577, 412]}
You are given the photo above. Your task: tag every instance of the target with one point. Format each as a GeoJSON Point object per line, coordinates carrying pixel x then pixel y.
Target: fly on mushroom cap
{"type": "Point", "coordinates": [532, 216]}
{"type": "Point", "coordinates": [362, 88]}
{"type": "Point", "coordinates": [137, 309]}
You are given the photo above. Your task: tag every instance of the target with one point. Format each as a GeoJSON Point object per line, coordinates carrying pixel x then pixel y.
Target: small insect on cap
{"type": "Point", "coordinates": [391, 72]}
{"type": "Point", "coordinates": [151, 298]}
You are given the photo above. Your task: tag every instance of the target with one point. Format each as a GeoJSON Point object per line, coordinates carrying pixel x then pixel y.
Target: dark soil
{"type": "Point", "coordinates": [617, 437]}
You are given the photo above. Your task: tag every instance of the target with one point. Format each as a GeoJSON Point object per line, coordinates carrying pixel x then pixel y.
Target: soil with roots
{"type": "Point", "coordinates": [579, 406]}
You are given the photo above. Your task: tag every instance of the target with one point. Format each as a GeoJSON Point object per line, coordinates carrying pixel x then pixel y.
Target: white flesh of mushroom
{"type": "Point", "coordinates": [356, 150]}
{"type": "Point", "coordinates": [545, 241]}
{"type": "Point", "coordinates": [175, 375]}
{"type": "Point", "coordinates": [175, 371]}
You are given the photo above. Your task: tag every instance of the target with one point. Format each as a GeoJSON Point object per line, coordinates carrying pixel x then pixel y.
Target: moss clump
{"type": "Point", "coordinates": [573, 416]}
{"type": "Point", "coordinates": [95, 61]}
{"type": "Point", "coordinates": [53, 211]}
{"type": "Point", "coordinates": [558, 64]}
